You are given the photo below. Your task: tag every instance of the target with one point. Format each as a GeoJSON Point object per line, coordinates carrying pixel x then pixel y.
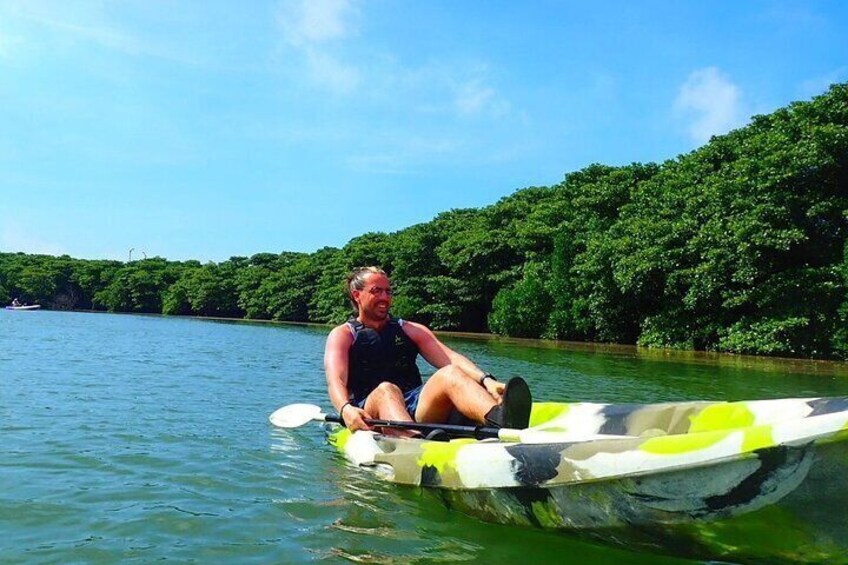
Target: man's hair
{"type": "Point", "coordinates": [356, 281]}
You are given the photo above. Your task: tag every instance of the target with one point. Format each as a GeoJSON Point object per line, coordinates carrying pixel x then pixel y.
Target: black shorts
{"type": "Point", "coordinates": [410, 399]}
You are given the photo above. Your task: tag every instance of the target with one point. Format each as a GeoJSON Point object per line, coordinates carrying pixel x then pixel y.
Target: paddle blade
{"type": "Point", "coordinates": [296, 415]}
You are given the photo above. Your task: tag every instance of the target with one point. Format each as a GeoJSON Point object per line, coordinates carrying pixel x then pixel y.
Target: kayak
{"type": "Point", "coordinates": [752, 480]}
{"type": "Point", "coordinates": [30, 307]}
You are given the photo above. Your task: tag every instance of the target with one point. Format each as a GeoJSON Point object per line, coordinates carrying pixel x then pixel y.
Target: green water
{"type": "Point", "coordinates": [137, 439]}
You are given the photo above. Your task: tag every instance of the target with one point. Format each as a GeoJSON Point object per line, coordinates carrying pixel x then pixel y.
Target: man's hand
{"type": "Point", "coordinates": [494, 388]}
{"type": "Point", "coordinates": [354, 418]}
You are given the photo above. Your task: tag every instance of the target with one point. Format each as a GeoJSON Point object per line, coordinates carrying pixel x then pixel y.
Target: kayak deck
{"type": "Point", "coordinates": [580, 442]}
{"type": "Point", "coordinates": [702, 470]}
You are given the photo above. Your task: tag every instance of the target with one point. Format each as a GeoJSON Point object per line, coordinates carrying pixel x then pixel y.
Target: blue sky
{"type": "Point", "coordinates": [204, 130]}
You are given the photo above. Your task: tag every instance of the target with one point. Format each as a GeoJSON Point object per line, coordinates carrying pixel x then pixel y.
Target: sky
{"type": "Point", "coordinates": [210, 129]}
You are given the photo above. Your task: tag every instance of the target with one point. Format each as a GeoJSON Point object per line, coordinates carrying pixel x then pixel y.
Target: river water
{"type": "Point", "coordinates": [135, 439]}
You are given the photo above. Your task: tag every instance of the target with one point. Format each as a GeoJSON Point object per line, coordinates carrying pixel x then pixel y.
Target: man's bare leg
{"type": "Point", "coordinates": [450, 387]}
{"type": "Point", "coordinates": [386, 403]}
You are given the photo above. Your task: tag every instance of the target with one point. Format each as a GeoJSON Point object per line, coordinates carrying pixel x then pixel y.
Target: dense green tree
{"type": "Point", "coordinates": [740, 239]}
{"type": "Point", "coordinates": [840, 336]}
{"type": "Point", "coordinates": [521, 309]}
{"type": "Point", "coordinates": [291, 289]}
{"type": "Point", "coordinates": [414, 262]}
{"type": "Point", "coordinates": [139, 286]}
{"type": "Point", "coordinates": [40, 279]}
{"type": "Point", "coordinates": [329, 302]}
{"type": "Point", "coordinates": [90, 277]}
{"type": "Point", "coordinates": [253, 297]}
{"type": "Point", "coordinates": [588, 301]}
{"type": "Point", "coordinates": [4, 293]}
{"type": "Point", "coordinates": [208, 290]}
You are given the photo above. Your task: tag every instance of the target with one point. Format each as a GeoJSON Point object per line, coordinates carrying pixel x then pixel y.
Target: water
{"type": "Point", "coordinates": [134, 439]}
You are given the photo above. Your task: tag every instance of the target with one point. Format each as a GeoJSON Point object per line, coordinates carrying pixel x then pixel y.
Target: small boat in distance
{"type": "Point", "coordinates": [18, 306]}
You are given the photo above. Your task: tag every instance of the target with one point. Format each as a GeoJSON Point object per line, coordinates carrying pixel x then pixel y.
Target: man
{"type": "Point", "coordinates": [370, 364]}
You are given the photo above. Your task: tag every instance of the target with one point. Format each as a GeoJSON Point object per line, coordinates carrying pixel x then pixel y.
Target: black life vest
{"type": "Point", "coordinates": [376, 357]}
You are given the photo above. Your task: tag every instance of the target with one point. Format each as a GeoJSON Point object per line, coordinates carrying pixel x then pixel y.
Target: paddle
{"type": "Point", "coordinates": [297, 415]}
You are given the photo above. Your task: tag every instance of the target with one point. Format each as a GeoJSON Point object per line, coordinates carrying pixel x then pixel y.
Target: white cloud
{"type": "Point", "coordinates": [64, 24]}
{"type": "Point", "coordinates": [711, 101]}
{"type": "Point", "coordinates": [464, 90]}
{"type": "Point", "coordinates": [313, 28]}
{"type": "Point", "coordinates": [312, 22]}
{"type": "Point", "coordinates": [322, 34]}
{"type": "Point", "coordinates": [476, 97]}
{"type": "Point", "coordinates": [320, 46]}
{"type": "Point", "coordinates": [472, 97]}
{"type": "Point", "coordinates": [328, 71]}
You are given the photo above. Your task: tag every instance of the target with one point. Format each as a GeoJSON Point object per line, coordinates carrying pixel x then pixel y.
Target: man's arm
{"type": "Point", "coordinates": [336, 371]}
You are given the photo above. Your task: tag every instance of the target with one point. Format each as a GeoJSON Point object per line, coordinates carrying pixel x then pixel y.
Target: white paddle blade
{"type": "Point", "coordinates": [295, 415]}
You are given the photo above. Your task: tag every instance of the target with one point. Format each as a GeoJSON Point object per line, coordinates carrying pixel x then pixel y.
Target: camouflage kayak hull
{"type": "Point", "coordinates": [758, 481]}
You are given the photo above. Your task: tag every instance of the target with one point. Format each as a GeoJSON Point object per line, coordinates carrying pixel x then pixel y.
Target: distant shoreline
{"type": "Point", "coordinates": [822, 367]}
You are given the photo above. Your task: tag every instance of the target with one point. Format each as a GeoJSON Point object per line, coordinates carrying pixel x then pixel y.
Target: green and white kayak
{"type": "Point", "coordinates": [755, 480]}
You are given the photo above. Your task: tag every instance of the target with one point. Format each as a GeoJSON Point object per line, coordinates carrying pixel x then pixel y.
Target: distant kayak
{"type": "Point", "coordinates": [30, 307]}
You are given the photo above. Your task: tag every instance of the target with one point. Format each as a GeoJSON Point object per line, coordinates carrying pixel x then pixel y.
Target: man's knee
{"type": "Point", "coordinates": [388, 390]}
{"type": "Point", "coordinates": [450, 376]}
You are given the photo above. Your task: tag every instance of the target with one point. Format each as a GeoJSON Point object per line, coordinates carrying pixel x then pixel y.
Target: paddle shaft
{"type": "Point", "coordinates": [477, 432]}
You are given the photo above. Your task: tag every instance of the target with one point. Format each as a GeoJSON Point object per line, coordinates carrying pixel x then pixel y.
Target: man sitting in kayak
{"type": "Point", "coordinates": [370, 364]}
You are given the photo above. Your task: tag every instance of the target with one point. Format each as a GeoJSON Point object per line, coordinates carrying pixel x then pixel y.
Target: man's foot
{"type": "Point", "coordinates": [514, 409]}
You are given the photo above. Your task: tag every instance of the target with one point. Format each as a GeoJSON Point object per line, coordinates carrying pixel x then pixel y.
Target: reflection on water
{"type": "Point", "coordinates": [602, 373]}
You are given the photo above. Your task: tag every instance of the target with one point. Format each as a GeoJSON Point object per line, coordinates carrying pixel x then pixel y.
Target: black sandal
{"type": "Point", "coordinates": [514, 409]}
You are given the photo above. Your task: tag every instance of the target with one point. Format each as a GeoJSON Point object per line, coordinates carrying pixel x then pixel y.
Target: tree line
{"type": "Point", "coordinates": [738, 246]}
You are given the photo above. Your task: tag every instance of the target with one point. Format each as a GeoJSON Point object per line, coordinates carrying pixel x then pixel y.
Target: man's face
{"type": "Point", "coordinates": [376, 298]}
